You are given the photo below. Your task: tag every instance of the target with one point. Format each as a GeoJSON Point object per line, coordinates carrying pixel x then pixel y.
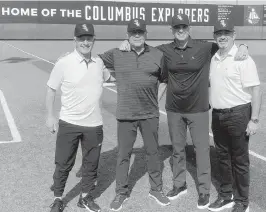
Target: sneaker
{"type": "Point", "coordinates": [176, 192]}
{"type": "Point", "coordinates": [239, 207]}
{"type": "Point", "coordinates": [118, 201]}
{"type": "Point", "coordinates": [57, 205]}
{"type": "Point", "coordinates": [204, 201]}
{"type": "Point", "coordinates": [160, 197]}
{"type": "Point", "coordinates": [221, 204]}
{"type": "Point", "coordinates": [88, 203]}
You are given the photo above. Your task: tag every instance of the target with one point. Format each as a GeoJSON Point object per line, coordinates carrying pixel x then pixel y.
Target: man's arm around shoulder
{"type": "Point", "coordinates": [108, 58]}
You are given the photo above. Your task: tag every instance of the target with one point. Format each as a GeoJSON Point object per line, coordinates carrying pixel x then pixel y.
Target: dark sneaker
{"type": "Point", "coordinates": [160, 197]}
{"type": "Point", "coordinates": [118, 201]}
{"type": "Point", "coordinates": [176, 192]}
{"type": "Point", "coordinates": [221, 204]}
{"type": "Point", "coordinates": [88, 203]}
{"type": "Point", "coordinates": [57, 206]}
{"type": "Point", "coordinates": [239, 207]}
{"type": "Point", "coordinates": [204, 201]}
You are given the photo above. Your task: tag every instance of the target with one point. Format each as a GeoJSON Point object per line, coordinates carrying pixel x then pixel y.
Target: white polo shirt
{"type": "Point", "coordinates": [82, 86]}
{"type": "Point", "coordinates": [230, 80]}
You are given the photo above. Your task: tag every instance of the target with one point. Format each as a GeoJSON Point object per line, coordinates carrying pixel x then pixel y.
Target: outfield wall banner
{"type": "Point", "coordinates": [119, 13]}
{"type": "Point", "coordinates": [102, 13]}
{"type": "Point", "coordinates": [232, 12]}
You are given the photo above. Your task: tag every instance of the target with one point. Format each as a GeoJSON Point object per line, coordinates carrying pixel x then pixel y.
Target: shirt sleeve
{"type": "Point", "coordinates": [248, 73]}
{"type": "Point", "coordinates": [106, 73]}
{"type": "Point", "coordinates": [163, 78]}
{"type": "Point", "coordinates": [214, 48]}
{"type": "Point", "coordinates": [108, 58]}
{"type": "Point", "coordinates": [56, 76]}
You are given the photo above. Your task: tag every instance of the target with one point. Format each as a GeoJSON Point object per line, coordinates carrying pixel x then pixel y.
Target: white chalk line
{"type": "Point", "coordinates": [10, 120]}
{"type": "Point", "coordinates": [112, 84]}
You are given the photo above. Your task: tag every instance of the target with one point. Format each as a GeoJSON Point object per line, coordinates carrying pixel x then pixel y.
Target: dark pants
{"type": "Point", "coordinates": [67, 142]}
{"type": "Point", "coordinates": [229, 131]}
{"type": "Point", "coordinates": [127, 132]}
{"type": "Point", "coordinates": [198, 124]}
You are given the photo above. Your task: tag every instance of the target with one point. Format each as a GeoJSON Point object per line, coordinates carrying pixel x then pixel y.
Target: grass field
{"type": "Point", "coordinates": [27, 166]}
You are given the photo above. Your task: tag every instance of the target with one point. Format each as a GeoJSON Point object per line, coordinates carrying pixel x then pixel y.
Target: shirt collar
{"type": "Point", "coordinates": [189, 44]}
{"type": "Point", "coordinates": [146, 48]}
{"type": "Point", "coordinates": [231, 53]}
{"type": "Point", "coordinates": [80, 58]}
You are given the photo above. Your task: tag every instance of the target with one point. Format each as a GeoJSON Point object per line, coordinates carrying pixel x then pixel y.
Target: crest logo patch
{"type": "Point", "coordinates": [223, 23]}
{"type": "Point", "coordinates": [85, 27]}
{"type": "Point", "coordinates": [136, 22]}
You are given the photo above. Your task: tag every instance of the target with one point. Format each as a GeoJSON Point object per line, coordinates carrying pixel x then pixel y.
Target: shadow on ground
{"type": "Point", "coordinates": [15, 60]}
{"type": "Point", "coordinates": [107, 167]}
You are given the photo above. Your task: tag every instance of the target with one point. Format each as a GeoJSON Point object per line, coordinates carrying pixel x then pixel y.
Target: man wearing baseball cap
{"type": "Point", "coordinates": [187, 103]}
{"type": "Point", "coordinates": [235, 98]}
{"type": "Point", "coordinates": [138, 73]}
{"type": "Point", "coordinates": [80, 77]}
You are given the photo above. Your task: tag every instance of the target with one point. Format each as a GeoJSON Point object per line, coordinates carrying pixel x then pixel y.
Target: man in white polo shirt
{"type": "Point", "coordinates": [80, 78]}
{"type": "Point", "coordinates": [235, 98]}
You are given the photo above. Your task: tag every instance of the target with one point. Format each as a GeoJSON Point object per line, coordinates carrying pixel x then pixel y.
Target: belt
{"type": "Point", "coordinates": [232, 109]}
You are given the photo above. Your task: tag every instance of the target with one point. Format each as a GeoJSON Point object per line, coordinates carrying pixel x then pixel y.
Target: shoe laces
{"type": "Point", "coordinates": [118, 198]}
{"type": "Point", "coordinates": [161, 192]}
{"type": "Point", "coordinates": [88, 197]}
{"type": "Point", "coordinates": [58, 202]}
{"type": "Point", "coordinates": [239, 206]}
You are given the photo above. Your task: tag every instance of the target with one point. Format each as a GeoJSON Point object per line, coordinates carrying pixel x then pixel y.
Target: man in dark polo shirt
{"type": "Point", "coordinates": [187, 64]}
{"type": "Point", "coordinates": [187, 105]}
{"type": "Point", "coordinates": [138, 73]}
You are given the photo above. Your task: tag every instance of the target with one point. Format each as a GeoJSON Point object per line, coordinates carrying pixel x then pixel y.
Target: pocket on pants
{"type": "Point", "coordinates": [238, 124]}
{"type": "Point", "coordinates": [99, 135]}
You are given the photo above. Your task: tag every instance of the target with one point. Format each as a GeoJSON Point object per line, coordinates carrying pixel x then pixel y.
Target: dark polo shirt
{"type": "Point", "coordinates": [137, 78]}
{"type": "Point", "coordinates": [188, 76]}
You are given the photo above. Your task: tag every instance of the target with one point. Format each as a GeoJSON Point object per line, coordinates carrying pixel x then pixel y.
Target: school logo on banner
{"type": "Point", "coordinates": [253, 15]}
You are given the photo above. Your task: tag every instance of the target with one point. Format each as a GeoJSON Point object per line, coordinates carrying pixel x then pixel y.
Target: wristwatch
{"type": "Point", "coordinates": [243, 45]}
{"type": "Point", "coordinates": [255, 121]}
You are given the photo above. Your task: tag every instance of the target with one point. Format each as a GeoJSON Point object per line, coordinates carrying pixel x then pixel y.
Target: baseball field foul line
{"type": "Point", "coordinates": [10, 120]}
{"type": "Point", "coordinates": [113, 90]}
{"type": "Point", "coordinates": [35, 56]}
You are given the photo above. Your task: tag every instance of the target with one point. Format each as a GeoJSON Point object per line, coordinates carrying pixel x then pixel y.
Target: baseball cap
{"type": "Point", "coordinates": [84, 29]}
{"type": "Point", "coordinates": [180, 19]}
{"type": "Point", "coordinates": [227, 25]}
{"type": "Point", "coordinates": [136, 24]}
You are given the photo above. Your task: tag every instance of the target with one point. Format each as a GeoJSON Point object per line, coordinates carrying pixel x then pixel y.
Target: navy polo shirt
{"type": "Point", "coordinates": [188, 75]}
{"type": "Point", "coordinates": [137, 78]}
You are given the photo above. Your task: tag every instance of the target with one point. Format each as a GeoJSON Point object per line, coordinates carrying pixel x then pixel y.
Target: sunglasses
{"type": "Point", "coordinates": [137, 32]}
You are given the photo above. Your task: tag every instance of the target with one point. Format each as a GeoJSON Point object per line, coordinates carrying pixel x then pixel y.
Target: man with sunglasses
{"type": "Point", "coordinates": [80, 77]}
{"type": "Point", "coordinates": [138, 73]}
